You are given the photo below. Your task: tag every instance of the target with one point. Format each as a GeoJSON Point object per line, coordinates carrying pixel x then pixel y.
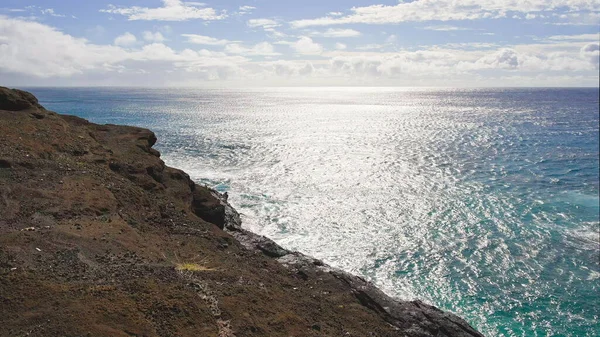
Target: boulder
{"type": "Point", "coordinates": [17, 100]}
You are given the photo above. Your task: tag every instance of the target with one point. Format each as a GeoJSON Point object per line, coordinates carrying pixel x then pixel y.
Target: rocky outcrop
{"type": "Point", "coordinates": [99, 237]}
{"type": "Point", "coordinates": [17, 100]}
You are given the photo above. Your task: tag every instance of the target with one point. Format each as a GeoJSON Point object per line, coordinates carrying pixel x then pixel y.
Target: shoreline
{"type": "Point", "coordinates": [89, 207]}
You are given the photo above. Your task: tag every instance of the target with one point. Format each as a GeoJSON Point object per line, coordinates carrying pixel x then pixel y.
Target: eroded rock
{"type": "Point", "coordinates": [17, 100]}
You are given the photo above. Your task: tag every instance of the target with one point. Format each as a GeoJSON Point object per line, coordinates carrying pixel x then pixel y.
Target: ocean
{"type": "Point", "coordinates": [483, 202]}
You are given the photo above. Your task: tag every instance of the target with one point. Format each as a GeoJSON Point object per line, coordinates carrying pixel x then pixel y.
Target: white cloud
{"type": "Point", "coordinates": [12, 10]}
{"type": "Point", "coordinates": [205, 40]}
{"type": "Point", "coordinates": [243, 10]}
{"type": "Point", "coordinates": [126, 39]}
{"type": "Point", "coordinates": [269, 26]}
{"type": "Point", "coordinates": [372, 46]}
{"type": "Point", "coordinates": [573, 18]}
{"type": "Point", "coordinates": [470, 46]}
{"type": "Point", "coordinates": [153, 37]}
{"type": "Point", "coordinates": [51, 12]}
{"type": "Point", "coordinates": [533, 60]}
{"type": "Point", "coordinates": [260, 49]}
{"type": "Point", "coordinates": [340, 46]}
{"type": "Point", "coordinates": [43, 11]}
{"type": "Point", "coordinates": [580, 37]}
{"type": "Point", "coordinates": [357, 66]}
{"type": "Point", "coordinates": [591, 52]}
{"type": "Point", "coordinates": [307, 70]}
{"type": "Point", "coordinates": [444, 28]}
{"type": "Point", "coordinates": [337, 33]}
{"type": "Point", "coordinates": [285, 68]}
{"type": "Point", "coordinates": [571, 60]}
{"type": "Point", "coordinates": [284, 43]}
{"type": "Point", "coordinates": [263, 23]}
{"type": "Point", "coordinates": [504, 58]}
{"type": "Point", "coordinates": [172, 10]}
{"type": "Point", "coordinates": [63, 54]}
{"type": "Point", "coordinates": [306, 46]}
{"type": "Point", "coordinates": [276, 34]}
{"type": "Point", "coordinates": [291, 69]}
{"type": "Point", "coordinates": [445, 10]}
{"type": "Point", "coordinates": [67, 56]}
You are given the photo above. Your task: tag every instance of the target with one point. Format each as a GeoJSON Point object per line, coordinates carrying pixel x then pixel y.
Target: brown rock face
{"type": "Point", "coordinates": [17, 100]}
{"type": "Point", "coordinates": [98, 237]}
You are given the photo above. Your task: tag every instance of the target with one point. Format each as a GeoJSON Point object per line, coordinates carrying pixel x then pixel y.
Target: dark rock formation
{"type": "Point", "coordinates": [17, 100]}
{"type": "Point", "coordinates": [99, 237]}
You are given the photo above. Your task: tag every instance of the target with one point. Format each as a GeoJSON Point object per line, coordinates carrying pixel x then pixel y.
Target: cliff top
{"type": "Point", "coordinates": [17, 100]}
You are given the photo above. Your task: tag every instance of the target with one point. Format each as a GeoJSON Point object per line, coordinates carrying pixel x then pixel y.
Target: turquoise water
{"type": "Point", "coordinates": [480, 201]}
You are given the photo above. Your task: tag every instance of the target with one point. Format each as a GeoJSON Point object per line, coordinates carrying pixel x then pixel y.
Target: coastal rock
{"type": "Point", "coordinates": [17, 100]}
{"type": "Point", "coordinates": [99, 237]}
{"type": "Point", "coordinates": [415, 318]}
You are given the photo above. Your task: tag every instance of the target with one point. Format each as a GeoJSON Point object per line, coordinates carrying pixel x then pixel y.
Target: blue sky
{"type": "Point", "coordinates": [265, 42]}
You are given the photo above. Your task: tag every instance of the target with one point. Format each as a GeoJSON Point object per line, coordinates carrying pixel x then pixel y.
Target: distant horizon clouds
{"type": "Point", "coordinates": [270, 43]}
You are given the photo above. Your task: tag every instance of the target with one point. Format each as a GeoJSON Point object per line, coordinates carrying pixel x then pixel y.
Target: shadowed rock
{"type": "Point", "coordinates": [17, 100]}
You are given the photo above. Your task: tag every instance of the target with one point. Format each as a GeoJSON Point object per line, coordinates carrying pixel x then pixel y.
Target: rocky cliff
{"type": "Point", "coordinates": [98, 237]}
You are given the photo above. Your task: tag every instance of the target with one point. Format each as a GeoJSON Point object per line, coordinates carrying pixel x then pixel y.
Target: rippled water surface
{"type": "Point", "coordinates": [480, 201]}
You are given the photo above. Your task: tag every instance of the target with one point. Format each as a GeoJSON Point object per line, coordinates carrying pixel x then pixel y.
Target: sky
{"type": "Point", "coordinates": [424, 43]}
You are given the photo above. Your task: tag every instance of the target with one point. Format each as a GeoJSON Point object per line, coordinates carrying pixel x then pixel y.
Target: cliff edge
{"type": "Point", "coordinates": [98, 237]}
